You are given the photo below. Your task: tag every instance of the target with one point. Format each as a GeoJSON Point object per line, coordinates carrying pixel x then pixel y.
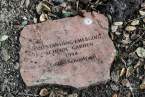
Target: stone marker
{"type": "Point", "coordinates": [73, 51]}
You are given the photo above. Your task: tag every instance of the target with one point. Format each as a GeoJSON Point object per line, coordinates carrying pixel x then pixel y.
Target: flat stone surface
{"type": "Point", "coordinates": [73, 51]}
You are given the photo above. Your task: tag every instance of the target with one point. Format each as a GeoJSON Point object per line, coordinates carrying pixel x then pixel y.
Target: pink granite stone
{"type": "Point", "coordinates": [73, 51]}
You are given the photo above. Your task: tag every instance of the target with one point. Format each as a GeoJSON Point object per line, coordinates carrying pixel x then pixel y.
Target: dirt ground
{"type": "Point", "coordinates": [16, 14]}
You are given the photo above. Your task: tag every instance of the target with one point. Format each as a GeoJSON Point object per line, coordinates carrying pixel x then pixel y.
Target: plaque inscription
{"type": "Point", "coordinates": [67, 51]}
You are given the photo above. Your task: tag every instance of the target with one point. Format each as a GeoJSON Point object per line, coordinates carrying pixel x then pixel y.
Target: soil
{"type": "Point", "coordinates": [16, 14]}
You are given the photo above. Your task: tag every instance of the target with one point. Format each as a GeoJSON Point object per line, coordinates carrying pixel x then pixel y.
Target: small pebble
{"type": "Point", "coordinates": [35, 20]}
{"type": "Point", "coordinates": [142, 12]}
{"type": "Point", "coordinates": [52, 94]}
{"type": "Point", "coordinates": [129, 94]}
{"type": "Point", "coordinates": [126, 39]}
{"type": "Point", "coordinates": [38, 8]}
{"type": "Point", "coordinates": [144, 20]}
{"type": "Point", "coordinates": [130, 28]}
{"type": "Point", "coordinates": [24, 18]}
{"type": "Point", "coordinates": [114, 28]}
{"type": "Point", "coordinates": [118, 23]}
{"type": "Point", "coordinates": [144, 42]}
{"type": "Point", "coordinates": [114, 87]}
{"type": "Point", "coordinates": [114, 76]}
{"type": "Point", "coordinates": [24, 23]}
{"type": "Point", "coordinates": [126, 35]}
{"type": "Point", "coordinates": [17, 66]}
{"type": "Point", "coordinates": [115, 95]}
{"type": "Point", "coordinates": [117, 33]}
{"type": "Point", "coordinates": [122, 72]}
{"type": "Point", "coordinates": [4, 37]}
{"type": "Point", "coordinates": [109, 17]}
{"type": "Point", "coordinates": [140, 52]}
{"type": "Point", "coordinates": [43, 17]}
{"type": "Point", "coordinates": [125, 82]}
{"type": "Point", "coordinates": [73, 95]}
{"type": "Point", "coordinates": [44, 92]}
{"type": "Point", "coordinates": [27, 3]}
{"type": "Point", "coordinates": [142, 86]}
{"type": "Point", "coordinates": [135, 22]}
{"type": "Point", "coordinates": [5, 54]}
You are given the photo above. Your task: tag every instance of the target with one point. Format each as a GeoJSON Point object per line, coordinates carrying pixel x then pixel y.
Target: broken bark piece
{"type": "Point", "coordinates": [73, 51]}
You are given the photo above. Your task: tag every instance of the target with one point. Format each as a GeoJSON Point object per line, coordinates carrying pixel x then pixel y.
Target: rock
{"type": "Point", "coordinates": [114, 87]}
{"type": "Point", "coordinates": [17, 66]}
{"type": "Point", "coordinates": [43, 92]}
{"type": "Point", "coordinates": [73, 95]}
{"type": "Point", "coordinates": [143, 42]}
{"type": "Point", "coordinates": [43, 17]}
{"type": "Point", "coordinates": [130, 28]}
{"type": "Point", "coordinates": [144, 20]}
{"type": "Point", "coordinates": [115, 76]}
{"type": "Point", "coordinates": [27, 3]}
{"type": "Point", "coordinates": [140, 52]}
{"type": "Point", "coordinates": [125, 82]}
{"type": "Point", "coordinates": [142, 11]}
{"type": "Point", "coordinates": [123, 71]}
{"type": "Point", "coordinates": [35, 20]}
{"type": "Point", "coordinates": [135, 22]}
{"type": "Point", "coordinates": [3, 38]}
{"type": "Point", "coordinates": [5, 54]}
{"type": "Point", "coordinates": [73, 51]}
{"type": "Point", "coordinates": [114, 95]}
{"type": "Point", "coordinates": [114, 28]}
{"type": "Point", "coordinates": [142, 86]}
{"type": "Point", "coordinates": [118, 33]}
{"type": "Point", "coordinates": [118, 23]}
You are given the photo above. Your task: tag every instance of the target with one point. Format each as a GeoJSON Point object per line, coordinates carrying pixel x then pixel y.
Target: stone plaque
{"type": "Point", "coordinates": [74, 51]}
